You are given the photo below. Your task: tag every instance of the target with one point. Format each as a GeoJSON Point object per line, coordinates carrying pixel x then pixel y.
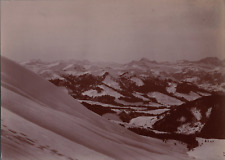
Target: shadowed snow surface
{"type": "Point", "coordinates": [40, 121]}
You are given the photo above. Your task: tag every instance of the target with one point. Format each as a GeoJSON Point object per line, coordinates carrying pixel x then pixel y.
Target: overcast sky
{"type": "Point", "coordinates": [112, 30]}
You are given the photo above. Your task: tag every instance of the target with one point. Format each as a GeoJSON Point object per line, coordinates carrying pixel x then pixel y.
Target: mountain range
{"type": "Point", "coordinates": [157, 97]}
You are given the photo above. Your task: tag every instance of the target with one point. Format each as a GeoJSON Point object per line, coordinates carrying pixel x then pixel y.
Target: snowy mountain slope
{"type": "Point", "coordinates": [30, 141]}
{"type": "Point", "coordinates": [204, 117]}
{"type": "Point", "coordinates": [40, 121]}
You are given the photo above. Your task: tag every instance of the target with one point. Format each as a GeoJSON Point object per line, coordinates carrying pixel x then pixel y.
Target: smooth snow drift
{"type": "Point", "coordinates": [40, 121]}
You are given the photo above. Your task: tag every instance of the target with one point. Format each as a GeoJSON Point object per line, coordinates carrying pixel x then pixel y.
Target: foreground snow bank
{"type": "Point", "coordinates": [209, 149]}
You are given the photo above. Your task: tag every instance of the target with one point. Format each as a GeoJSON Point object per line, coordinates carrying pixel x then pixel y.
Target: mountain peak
{"type": "Point", "coordinates": [144, 59]}
{"type": "Point", "coordinates": [33, 61]}
{"type": "Point", "coordinates": [211, 60]}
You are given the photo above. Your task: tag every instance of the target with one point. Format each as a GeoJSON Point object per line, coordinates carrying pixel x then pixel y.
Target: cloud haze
{"type": "Point", "coordinates": [119, 30]}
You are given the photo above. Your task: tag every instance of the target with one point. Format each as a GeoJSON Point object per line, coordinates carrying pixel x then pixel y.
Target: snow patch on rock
{"type": "Point", "coordinates": [164, 99]}
{"type": "Point", "coordinates": [182, 119]}
{"type": "Point", "coordinates": [137, 81]}
{"type": "Point", "coordinates": [171, 88]}
{"type": "Point", "coordinates": [110, 82]}
{"type": "Point", "coordinates": [144, 121]}
{"type": "Point", "coordinates": [93, 93]}
{"type": "Point", "coordinates": [196, 113]}
{"type": "Point", "coordinates": [106, 91]}
{"type": "Point", "coordinates": [208, 112]}
{"type": "Point", "coordinates": [190, 97]}
{"type": "Point", "coordinates": [139, 95]}
{"type": "Point", "coordinates": [190, 128]}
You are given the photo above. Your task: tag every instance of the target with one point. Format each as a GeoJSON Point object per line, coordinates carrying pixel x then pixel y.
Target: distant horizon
{"type": "Point", "coordinates": [93, 61]}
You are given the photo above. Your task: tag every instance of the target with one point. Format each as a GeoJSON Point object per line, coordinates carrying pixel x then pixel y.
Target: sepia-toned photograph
{"type": "Point", "coordinates": [112, 79]}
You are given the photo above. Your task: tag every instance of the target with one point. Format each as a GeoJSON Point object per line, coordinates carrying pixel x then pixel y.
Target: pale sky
{"type": "Point", "coordinates": [112, 30]}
